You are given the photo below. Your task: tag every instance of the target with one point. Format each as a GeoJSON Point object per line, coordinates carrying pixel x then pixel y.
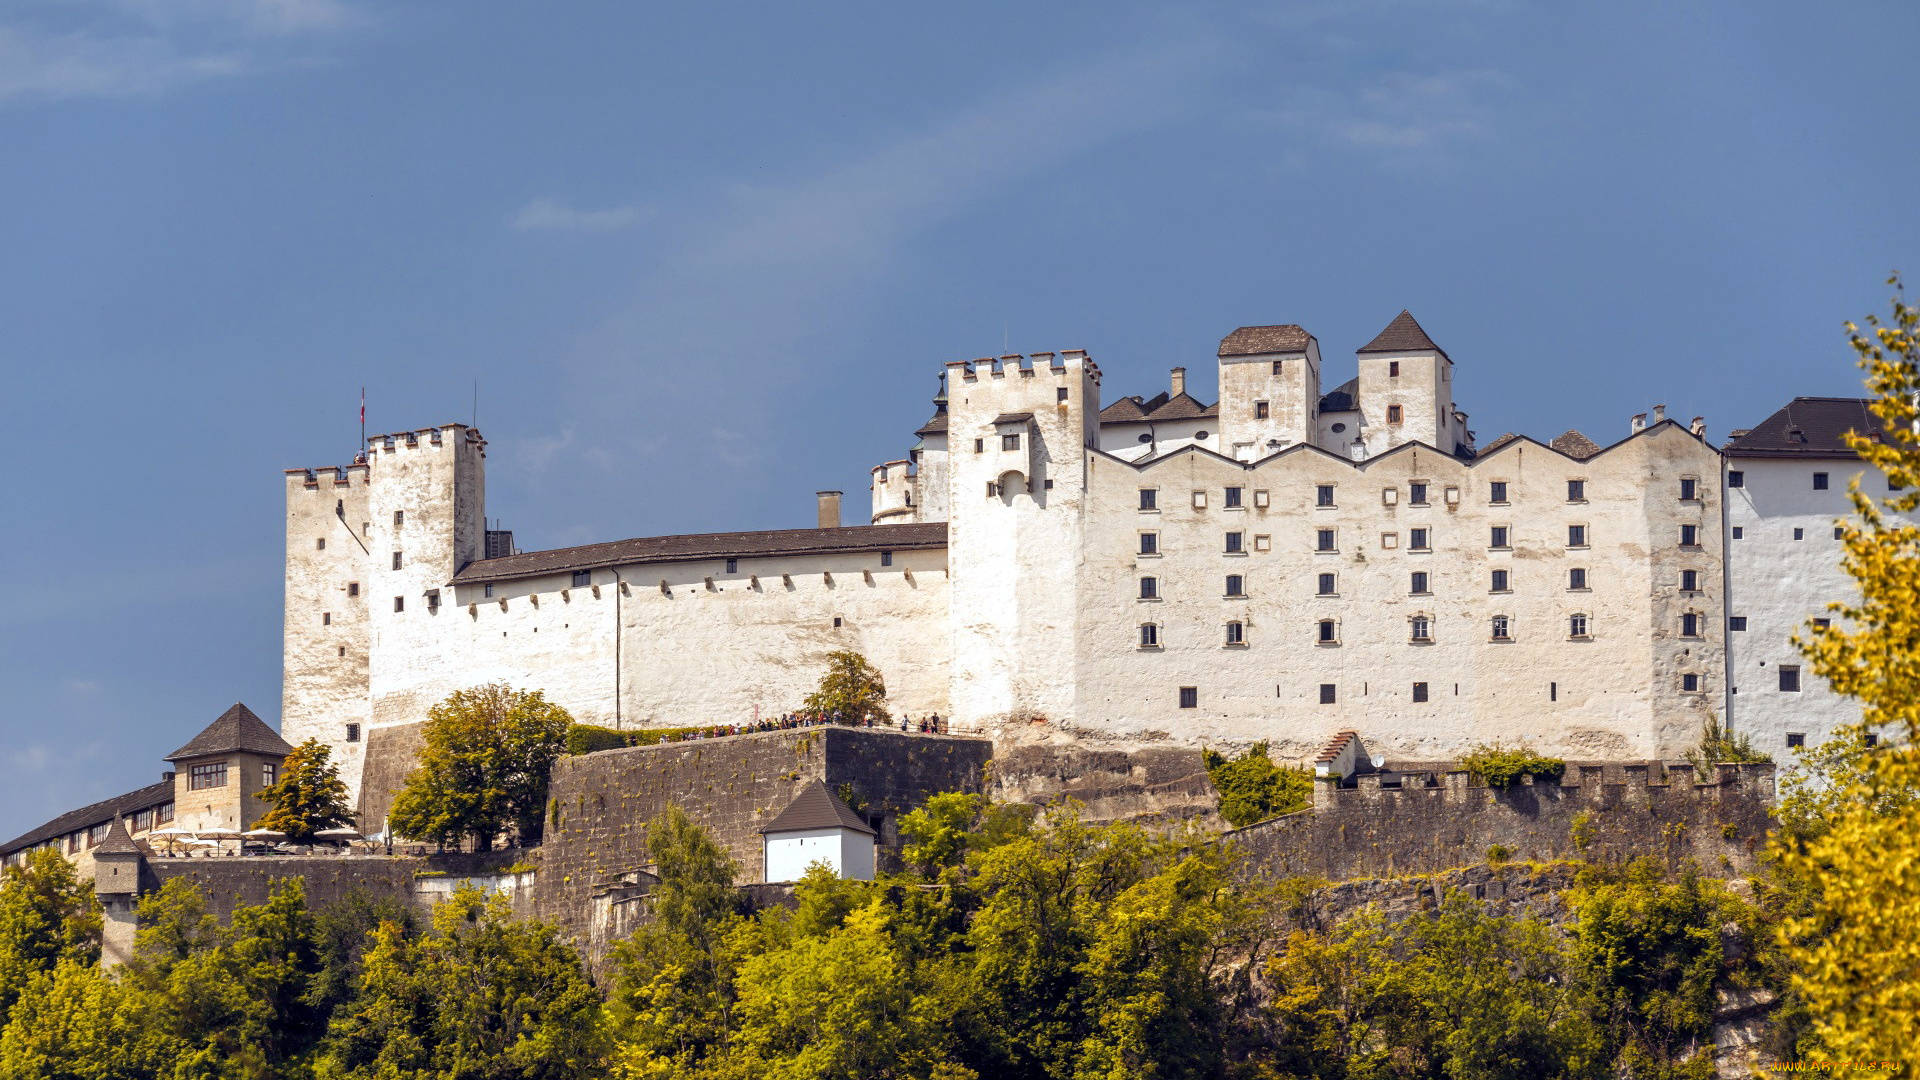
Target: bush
{"type": "Point", "coordinates": [1718, 746]}
{"type": "Point", "coordinates": [591, 739]}
{"type": "Point", "coordinates": [1500, 766]}
{"type": "Point", "coordinates": [1252, 788]}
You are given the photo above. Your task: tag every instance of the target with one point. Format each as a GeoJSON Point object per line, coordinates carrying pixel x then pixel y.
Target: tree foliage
{"type": "Point", "coordinates": [484, 771]}
{"type": "Point", "coordinates": [851, 689]}
{"type": "Point", "coordinates": [1718, 746]}
{"type": "Point", "coordinates": [1252, 788]}
{"type": "Point", "coordinates": [1856, 847]}
{"type": "Point", "coordinates": [48, 916]}
{"type": "Point", "coordinates": [1499, 766]}
{"type": "Point", "coordinates": [309, 796]}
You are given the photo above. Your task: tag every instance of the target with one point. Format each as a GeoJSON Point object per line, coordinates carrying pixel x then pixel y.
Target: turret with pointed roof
{"type": "Point", "coordinates": [1406, 392]}
{"type": "Point", "coordinates": [222, 769]}
{"type": "Point", "coordinates": [237, 729]}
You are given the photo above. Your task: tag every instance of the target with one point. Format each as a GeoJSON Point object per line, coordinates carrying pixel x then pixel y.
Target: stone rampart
{"type": "Point", "coordinates": [601, 803]}
{"type": "Point", "coordinates": [243, 882]}
{"type": "Point", "coordinates": [1596, 812]}
{"type": "Point", "coordinates": [392, 753]}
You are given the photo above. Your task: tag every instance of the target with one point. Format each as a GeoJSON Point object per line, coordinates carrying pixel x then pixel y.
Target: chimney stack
{"type": "Point", "coordinates": [1659, 414]}
{"type": "Point", "coordinates": [1179, 381]}
{"type": "Point", "coordinates": [1639, 423]}
{"type": "Point", "coordinates": [1698, 427]}
{"type": "Point", "coordinates": [829, 509]}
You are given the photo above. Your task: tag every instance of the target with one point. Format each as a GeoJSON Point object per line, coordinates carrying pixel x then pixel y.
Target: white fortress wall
{"type": "Point", "coordinates": [325, 635]}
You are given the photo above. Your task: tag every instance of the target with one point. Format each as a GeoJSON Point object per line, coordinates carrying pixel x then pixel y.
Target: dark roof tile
{"type": "Point", "coordinates": [1125, 411]}
{"type": "Point", "coordinates": [652, 549]}
{"type": "Point", "coordinates": [1342, 398]}
{"type": "Point", "coordinates": [1260, 340]}
{"type": "Point", "coordinates": [236, 729]}
{"type": "Point", "coordinates": [935, 426]}
{"type": "Point", "coordinates": [816, 808]}
{"type": "Point", "coordinates": [1182, 407]}
{"type": "Point", "coordinates": [1575, 445]}
{"type": "Point", "coordinates": [1403, 334]}
{"type": "Point", "coordinates": [1497, 444]}
{"type": "Point", "coordinates": [117, 841]}
{"type": "Point", "coordinates": [93, 814]}
{"type": "Point", "coordinates": [1012, 418]}
{"type": "Point", "coordinates": [1808, 427]}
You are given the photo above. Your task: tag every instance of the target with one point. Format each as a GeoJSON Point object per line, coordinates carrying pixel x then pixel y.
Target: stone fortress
{"type": "Point", "coordinates": [1089, 592]}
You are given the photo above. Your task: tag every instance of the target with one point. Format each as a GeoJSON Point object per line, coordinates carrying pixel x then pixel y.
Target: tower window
{"type": "Point", "coordinates": [1150, 588]}
{"type": "Point", "coordinates": [1422, 628]}
{"type": "Point", "coordinates": [1329, 632]}
{"type": "Point", "coordinates": [1500, 581]}
{"type": "Point", "coordinates": [1689, 682]}
{"type": "Point", "coordinates": [1419, 691]}
{"type": "Point", "coordinates": [1393, 414]}
{"type": "Point", "coordinates": [1576, 536]}
{"type": "Point", "coordinates": [399, 603]}
{"type": "Point", "coordinates": [353, 588]}
{"type": "Point", "coordinates": [1149, 636]}
{"type": "Point", "coordinates": [979, 446]}
{"type": "Point", "coordinates": [1233, 496]}
{"type": "Point", "coordinates": [1419, 584]}
{"type": "Point", "coordinates": [1576, 626]}
{"type": "Point", "coordinates": [886, 559]}
{"type": "Point", "coordinates": [1323, 540]}
{"type": "Point", "coordinates": [1577, 578]}
{"type": "Point", "coordinates": [1689, 581]}
{"type": "Point", "coordinates": [1819, 481]}
{"type": "Point", "coordinates": [1393, 369]}
{"type": "Point", "coordinates": [1277, 369]}
{"type": "Point", "coordinates": [326, 618]}
{"type": "Point", "coordinates": [1327, 584]}
{"type": "Point", "coordinates": [1149, 498]}
{"type": "Point", "coordinates": [320, 544]}
{"type": "Point", "coordinates": [1236, 543]}
{"type": "Point", "coordinates": [1236, 585]}
{"type": "Point", "coordinates": [1259, 410]}
{"type": "Point", "coordinates": [269, 773]}
{"type": "Point", "coordinates": [1839, 533]}
{"type": "Point", "coordinates": [1690, 536]}
{"type": "Point", "coordinates": [396, 560]}
{"type": "Point", "coordinates": [1497, 491]}
{"type": "Point", "coordinates": [1737, 622]}
{"type": "Point", "coordinates": [1576, 491]}
{"type": "Point", "coordinates": [1500, 537]}
{"type": "Point", "coordinates": [1739, 533]}
{"type": "Point", "coordinates": [211, 775]}
{"type": "Point", "coordinates": [1417, 493]}
{"type": "Point", "coordinates": [399, 518]}
{"type": "Point", "coordinates": [1690, 625]}
{"type": "Point", "coordinates": [1149, 543]}
{"type": "Point", "coordinates": [1010, 441]}
{"type": "Point", "coordinates": [1799, 534]}
{"type": "Point", "coordinates": [1790, 678]}
{"type": "Point", "coordinates": [733, 565]}
{"type": "Point", "coordinates": [1327, 693]}
{"type": "Point", "coordinates": [487, 590]}
{"type": "Point", "coordinates": [353, 732]}
{"type": "Point", "coordinates": [1189, 697]}
{"type": "Point", "coordinates": [1796, 739]}
{"type": "Point", "coordinates": [1060, 393]}
{"type": "Point", "coordinates": [1417, 539]}
{"type": "Point", "coordinates": [1236, 633]}
{"type": "Point", "coordinates": [1736, 478]}
{"type": "Point", "coordinates": [1502, 628]}
{"type": "Point", "coordinates": [1323, 495]}
{"type": "Point", "coordinates": [1689, 489]}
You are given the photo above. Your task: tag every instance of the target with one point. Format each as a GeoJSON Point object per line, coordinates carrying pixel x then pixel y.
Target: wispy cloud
{"type": "Point", "coordinates": [107, 48]}
{"type": "Point", "coordinates": [1398, 116]}
{"type": "Point", "coordinates": [552, 215]}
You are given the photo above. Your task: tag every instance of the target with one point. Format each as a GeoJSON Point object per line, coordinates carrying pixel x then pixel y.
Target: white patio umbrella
{"type": "Point", "coordinates": [264, 834]}
{"type": "Point", "coordinates": [216, 834]}
{"type": "Point", "coordinates": [339, 834]}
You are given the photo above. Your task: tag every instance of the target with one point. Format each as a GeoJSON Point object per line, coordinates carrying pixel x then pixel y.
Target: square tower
{"type": "Point", "coordinates": [1269, 390]}
{"type": "Point", "coordinates": [1406, 391]}
{"type": "Point", "coordinates": [219, 773]}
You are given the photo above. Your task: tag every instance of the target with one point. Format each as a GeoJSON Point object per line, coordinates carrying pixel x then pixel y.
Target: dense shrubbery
{"type": "Point", "coordinates": [590, 739]}
{"type": "Point", "coordinates": [1498, 765]}
{"type": "Point", "coordinates": [1252, 788]}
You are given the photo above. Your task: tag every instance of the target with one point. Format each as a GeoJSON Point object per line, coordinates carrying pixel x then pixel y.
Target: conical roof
{"type": "Point", "coordinates": [237, 729]}
{"type": "Point", "coordinates": [816, 808]}
{"type": "Point", "coordinates": [117, 841]}
{"type": "Point", "coordinates": [1403, 334]}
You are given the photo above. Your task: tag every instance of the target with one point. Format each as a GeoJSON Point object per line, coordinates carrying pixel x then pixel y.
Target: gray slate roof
{"type": "Point", "coordinates": [1260, 340]}
{"type": "Point", "coordinates": [1403, 334]}
{"type": "Point", "coordinates": [1342, 398]}
{"type": "Point", "coordinates": [236, 729]}
{"type": "Point", "coordinates": [651, 549]}
{"type": "Point", "coordinates": [935, 426]}
{"type": "Point", "coordinates": [117, 841]}
{"type": "Point", "coordinates": [93, 814]}
{"type": "Point", "coordinates": [816, 808]}
{"type": "Point", "coordinates": [1575, 445]}
{"type": "Point", "coordinates": [1808, 427]}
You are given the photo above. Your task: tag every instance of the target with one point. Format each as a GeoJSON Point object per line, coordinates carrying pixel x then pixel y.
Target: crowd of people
{"type": "Point", "coordinates": [930, 724]}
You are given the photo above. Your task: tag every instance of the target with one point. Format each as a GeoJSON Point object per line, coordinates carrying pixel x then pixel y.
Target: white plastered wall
{"type": "Point", "coordinates": [846, 852]}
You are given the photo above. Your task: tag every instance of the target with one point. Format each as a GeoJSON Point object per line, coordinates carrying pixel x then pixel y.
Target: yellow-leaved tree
{"type": "Point", "coordinates": [1857, 952]}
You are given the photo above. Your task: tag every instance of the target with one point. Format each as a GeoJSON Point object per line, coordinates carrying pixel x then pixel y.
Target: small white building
{"type": "Point", "coordinates": [818, 828]}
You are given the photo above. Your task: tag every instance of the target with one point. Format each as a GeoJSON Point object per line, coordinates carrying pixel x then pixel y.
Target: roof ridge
{"type": "Point", "coordinates": [1403, 334]}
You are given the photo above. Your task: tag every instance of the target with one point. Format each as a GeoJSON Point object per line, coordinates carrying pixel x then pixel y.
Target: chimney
{"type": "Point", "coordinates": [1639, 423]}
{"type": "Point", "coordinates": [1179, 381]}
{"type": "Point", "coordinates": [1698, 427]}
{"type": "Point", "coordinates": [1659, 414]}
{"type": "Point", "coordinates": [829, 509]}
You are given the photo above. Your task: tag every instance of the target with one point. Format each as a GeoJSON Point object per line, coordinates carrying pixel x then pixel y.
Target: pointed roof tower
{"type": "Point", "coordinates": [236, 729]}
{"type": "Point", "coordinates": [117, 841]}
{"type": "Point", "coordinates": [1403, 334]}
{"type": "Point", "coordinates": [816, 808]}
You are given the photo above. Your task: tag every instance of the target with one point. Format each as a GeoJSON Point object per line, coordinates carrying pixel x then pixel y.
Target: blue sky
{"type": "Point", "coordinates": [703, 260]}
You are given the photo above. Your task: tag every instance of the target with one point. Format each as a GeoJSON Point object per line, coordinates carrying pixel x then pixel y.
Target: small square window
{"type": "Point", "coordinates": [1262, 542]}
{"type": "Point", "coordinates": [1819, 481]}
{"type": "Point", "coordinates": [1233, 497]}
{"type": "Point", "coordinates": [1737, 623]}
{"type": "Point", "coordinates": [1576, 491]}
{"type": "Point", "coordinates": [1823, 624]}
{"type": "Point", "coordinates": [1689, 682]}
{"type": "Point", "coordinates": [1389, 541]}
{"type": "Point", "coordinates": [1010, 441]}
{"type": "Point", "coordinates": [1417, 539]}
{"type": "Point", "coordinates": [839, 621]}
{"type": "Point", "coordinates": [1259, 410]}
{"type": "Point", "coordinates": [1149, 498]}
{"type": "Point", "coordinates": [1736, 478]}
{"type": "Point", "coordinates": [1060, 393]}
{"type": "Point", "coordinates": [1500, 582]}
{"type": "Point", "coordinates": [353, 588]}
{"type": "Point", "coordinates": [1739, 533]}
{"type": "Point", "coordinates": [1872, 740]}
{"type": "Point", "coordinates": [1149, 543]}
{"type": "Point", "coordinates": [1576, 536]}
{"type": "Point", "coordinates": [1418, 586]}
{"type": "Point", "coordinates": [1323, 495]}
{"type": "Point", "coordinates": [1576, 626]}
{"type": "Point", "coordinates": [1150, 588]}
{"type": "Point", "coordinates": [1502, 628]}
{"type": "Point", "coordinates": [1149, 636]}
{"type": "Point", "coordinates": [1689, 581]}
{"type": "Point", "coordinates": [1419, 691]}
{"type": "Point", "coordinates": [584, 578]}
{"type": "Point", "coordinates": [1236, 585]}
{"type": "Point", "coordinates": [1417, 493]}
{"type": "Point", "coordinates": [353, 732]}
{"type": "Point", "coordinates": [1259, 499]}
{"type": "Point", "coordinates": [1689, 489]}
{"type": "Point", "coordinates": [1796, 739]}
{"type": "Point", "coordinates": [1236, 543]}
{"type": "Point", "coordinates": [1839, 532]}
{"type": "Point", "coordinates": [1327, 693]}
{"type": "Point", "coordinates": [1323, 540]}
{"type": "Point", "coordinates": [1326, 584]}
{"type": "Point", "coordinates": [1497, 491]}
{"type": "Point", "coordinates": [1394, 414]}
{"type": "Point", "coordinates": [1328, 631]}
{"type": "Point", "coordinates": [1189, 697]}
{"type": "Point", "coordinates": [399, 603]}
{"type": "Point", "coordinates": [1500, 537]}
{"type": "Point", "coordinates": [1577, 578]}
{"type": "Point", "coordinates": [1892, 485]}
{"type": "Point", "coordinates": [1799, 534]}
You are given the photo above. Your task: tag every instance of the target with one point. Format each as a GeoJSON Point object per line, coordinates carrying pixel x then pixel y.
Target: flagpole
{"type": "Point", "coordinates": [363, 421]}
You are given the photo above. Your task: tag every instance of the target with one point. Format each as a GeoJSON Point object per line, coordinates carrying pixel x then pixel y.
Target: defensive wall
{"type": "Point", "coordinates": [1437, 821]}
{"type": "Point", "coordinates": [229, 883]}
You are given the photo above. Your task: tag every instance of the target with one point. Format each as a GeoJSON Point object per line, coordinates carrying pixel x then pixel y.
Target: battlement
{"type": "Point", "coordinates": [317, 478]}
{"type": "Point", "coordinates": [430, 437]}
{"type": "Point", "coordinates": [1603, 780]}
{"type": "Point", "coordinates": [998, 367]}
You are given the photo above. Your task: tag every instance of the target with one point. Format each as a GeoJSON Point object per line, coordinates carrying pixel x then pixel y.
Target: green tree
{"type": "Point", "coordinates": [76, 1022]}
{"type": "Point", "coordinates": [489, 753]}
{"type": "Point", "coordinates": [47, 915]}
{"type": "Point", "coordinates": [852, 688]}
{"type": "Point", "coordinates": [1857, 950]}
{"type": "Point", "coordinates": [309, 795]}
{"type": "Point", "coordinates": [1498, 765]}
{"type": "Point", "coordinates": [1718, 746]}
{"type": "Point", "coordinates": [1252, 788]}
{"type": "Point", "coordinates": [483, 996]}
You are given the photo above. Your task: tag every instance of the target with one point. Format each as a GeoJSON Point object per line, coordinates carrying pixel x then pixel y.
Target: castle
{"type": "Point", "coordinates": [1281, 564]}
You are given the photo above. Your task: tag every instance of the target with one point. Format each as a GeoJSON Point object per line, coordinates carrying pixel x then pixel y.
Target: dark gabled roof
{"type": "Point", "coordinates": [1012, 418]}
{"type": "Point", "coordinates": [1260, 340]}
{"type": "Point", "coordinates": [650, 549]}
{"type": "Point", "coordinates": [816, 808]}
{"type": "Point", "coordinates": [935, 426]}
{"type": "Point", "coordinates": [117, 841]}
{"type": "Point", "coordinates": [1808, 427]}
{"type": "Point", "coordinates": [1403, 334]}
{"type": "Point", "coordinates": [1342, 398]}
{"type": "Point", "coordinates": [1575, 445]}
{"type": "Point", "coordinates": [237, 729]}
{"type": "Point", "coordinates": [1125, 411]}
{"type": "Point", "coordinates": [94, 814]}
{"type": "Point", "coordinates": [1182, 406]}
{"type": "Point", "coordinates": [1497, 444]}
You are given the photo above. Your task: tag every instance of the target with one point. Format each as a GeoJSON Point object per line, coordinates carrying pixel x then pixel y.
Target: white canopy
{"type": "Point", "coordinates": [264, 834]}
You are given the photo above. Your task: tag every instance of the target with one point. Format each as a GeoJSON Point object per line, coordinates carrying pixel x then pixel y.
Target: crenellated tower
{"type": "Point", "coordinates": [1018, 434]}
{"type": "Point", "coordinates": [326, 647]}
